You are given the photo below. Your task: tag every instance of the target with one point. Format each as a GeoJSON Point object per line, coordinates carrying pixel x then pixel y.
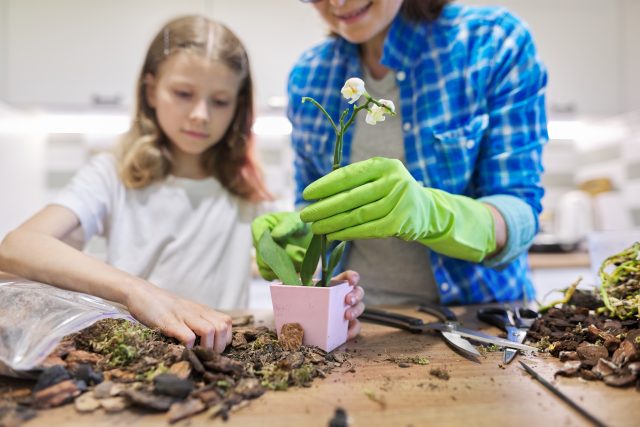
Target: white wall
{"type": "Point", "coordinates": [586, 45]}
{"type": "Point", "coordinates": [22, 170]}
{"type": "Point", "coordinates": [61, 53]}
{"type": "Point", "coordinates": [3, 48]}
{"type": "Point", "coordinates": [630, 43]}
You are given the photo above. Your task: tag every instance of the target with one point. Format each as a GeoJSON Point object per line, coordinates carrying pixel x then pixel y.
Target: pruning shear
{"type": "Point", "coordinates": [449, 328]}
{"type": "Point", "coordinates": [514, 321]}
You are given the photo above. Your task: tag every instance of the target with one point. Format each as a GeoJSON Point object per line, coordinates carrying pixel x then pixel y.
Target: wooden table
{"type": "Point", "coordinates": [477, 394]}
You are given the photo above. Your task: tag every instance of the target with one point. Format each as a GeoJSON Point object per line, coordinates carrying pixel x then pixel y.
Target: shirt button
{"type": "Point", "coordinates": [470, 144]}
{"type": "Point", "coordinates": [307, 147]}
{"type": "Point", "coordinates": [406, 126]}
{"type": "Point", "coordinates": [400, 75]}
{"type": "Point", "coordinates": [444, 287]}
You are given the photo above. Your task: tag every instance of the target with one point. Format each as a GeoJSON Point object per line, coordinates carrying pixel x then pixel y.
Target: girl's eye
{"type": "Point", "coordinates": [219, 102]}
{"type": "Point", "coordinates": [182, 94]}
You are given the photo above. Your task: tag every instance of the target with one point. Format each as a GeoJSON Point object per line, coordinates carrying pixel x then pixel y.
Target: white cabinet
{"type": "Point", "coordinates": [71, 52]}
{"type": "Point", "coordinates": [79, 52]}
{"type": "Point", "coordinates": [590, 49]}
{"type": "Point", "coordinates": [275, 33]}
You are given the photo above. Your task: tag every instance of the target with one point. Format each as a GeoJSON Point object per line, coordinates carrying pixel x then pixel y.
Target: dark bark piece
{"type": "Point", "coordinates": [51, 376]}
{"type": "Point", "coordinates": [56, 395]}
{"type": "Point", "coordinates": [181, 410]}
{"type": "Point", "coordinates": [291, 336]}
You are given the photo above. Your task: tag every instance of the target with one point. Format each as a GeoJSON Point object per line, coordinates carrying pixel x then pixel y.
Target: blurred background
{"type": "Point", "coordinates": [68, 69]}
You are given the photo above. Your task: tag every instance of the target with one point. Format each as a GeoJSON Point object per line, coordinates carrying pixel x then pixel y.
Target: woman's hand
{"type": "Point", "coordinates": [180, 318]}
{"type": "Point", "coordinates": [354, 300]}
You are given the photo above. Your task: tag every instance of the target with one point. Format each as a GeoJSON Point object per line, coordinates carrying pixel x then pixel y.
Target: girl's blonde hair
{"type": "Point", "coordinates": [144, 157]}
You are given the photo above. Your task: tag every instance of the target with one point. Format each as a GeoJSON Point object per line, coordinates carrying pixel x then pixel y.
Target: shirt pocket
{"type": "Point", "coordinates": [457, 150]}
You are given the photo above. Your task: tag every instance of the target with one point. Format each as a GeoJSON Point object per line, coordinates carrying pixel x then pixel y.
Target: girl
{"type": "Point", "coordinates": [175, 202]}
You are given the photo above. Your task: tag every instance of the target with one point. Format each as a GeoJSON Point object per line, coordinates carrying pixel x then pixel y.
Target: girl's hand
{"type": "Point", "coordinates": [180, 318]}
{"type": "Point", "coordinates": [354, 299]}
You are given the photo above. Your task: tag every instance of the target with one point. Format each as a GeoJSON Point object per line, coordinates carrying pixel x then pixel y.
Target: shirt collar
{"type": "Point", "coordinates": [402, 39]}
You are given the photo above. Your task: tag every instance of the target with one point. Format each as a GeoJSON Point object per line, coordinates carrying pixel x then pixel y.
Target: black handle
{"type": "Point", "coordinates": [440, 311]}
{"type": "Point", "coordinates": [397, 316]}
{"type": "Point", "coordinates": [495, 316]}
{"type": "Point", "coordinates": [525, 317]}
{"type": "Point", "coordinates": [390, 321]}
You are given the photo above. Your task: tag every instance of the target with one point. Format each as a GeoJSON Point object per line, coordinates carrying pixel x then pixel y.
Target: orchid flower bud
{"type": "Point", "coordinates": [377, 113]}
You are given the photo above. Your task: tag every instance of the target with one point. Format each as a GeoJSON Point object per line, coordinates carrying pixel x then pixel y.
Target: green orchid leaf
{"type": "Point", "coordinates": [310, 261]}
{"type": "Point", "coordinates": [336, 254]}
{"type": "Point", "coordinates": [278, 260]}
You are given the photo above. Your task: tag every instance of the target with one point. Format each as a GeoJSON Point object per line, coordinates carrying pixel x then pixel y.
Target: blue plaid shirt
{"type": "Point", "coordinates": [473, 110]}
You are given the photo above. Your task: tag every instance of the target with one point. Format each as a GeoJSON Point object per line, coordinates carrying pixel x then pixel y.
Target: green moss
{"type": "Point", "coordinates": [153, 372]}
{"type": "Point", "coordinates": [302, 375]}
{"type": "Point", "coordinates": [120, 340]}
{"type": "Point", "coordinates": [274, 378]}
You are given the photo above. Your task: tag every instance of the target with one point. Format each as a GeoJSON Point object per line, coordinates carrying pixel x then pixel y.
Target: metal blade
{"type": "Point", "coordinates": [460, 343]}
{"type": "Point", "coordinates": [508, 355]}
{"type": "Point", "coordinates": [478, 336]}
{"type": "Point", "coordinates": [516, 335]}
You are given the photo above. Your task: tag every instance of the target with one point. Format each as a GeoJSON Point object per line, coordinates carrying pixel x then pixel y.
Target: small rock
{"type": "Point", "coordinates": [86, 402]}
{"type": "Point", "coordinates": [103, 390]}
{"type": "Point", "coordinates": [172, 385]}
{"type": "Point", "coordinates": [114, 404]}
{"type": "Point", "coordinates": [149, 400]}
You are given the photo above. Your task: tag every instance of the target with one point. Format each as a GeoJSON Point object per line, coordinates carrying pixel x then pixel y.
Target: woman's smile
{"type": "Point", "coordinates": [353, 16]}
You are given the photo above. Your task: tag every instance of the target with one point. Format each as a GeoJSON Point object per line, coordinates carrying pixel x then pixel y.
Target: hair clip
{"type": "Point", "coordinates": [166, 41]}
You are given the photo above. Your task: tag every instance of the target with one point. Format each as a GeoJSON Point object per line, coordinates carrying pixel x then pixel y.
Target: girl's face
{"type": "Point", "coordinates": [195, 101]}
{"type": "Point", "coordinates": [358, 21]}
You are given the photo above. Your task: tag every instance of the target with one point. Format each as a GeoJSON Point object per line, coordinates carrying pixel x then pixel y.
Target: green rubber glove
{"type": "Point", "coordinates": [378, 198]}
{"type": "Point", "coordinates": [288, 231]}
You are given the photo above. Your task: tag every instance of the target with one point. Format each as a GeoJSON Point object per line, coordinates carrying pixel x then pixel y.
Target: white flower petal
{"type": "Point", "coordinates": [375, 115]}
{"type": "Point", "coordinates": [353, 89]}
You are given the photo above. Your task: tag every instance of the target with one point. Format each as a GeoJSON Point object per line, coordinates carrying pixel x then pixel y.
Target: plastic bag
{"type": "Point", "coordinates": [34, 318]}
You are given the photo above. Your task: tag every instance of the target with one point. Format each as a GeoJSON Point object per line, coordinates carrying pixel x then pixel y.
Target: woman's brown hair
{"type": "Point", "coordinates": [422, 10]}
{"type": "Point", "coordinates": [144, 156]}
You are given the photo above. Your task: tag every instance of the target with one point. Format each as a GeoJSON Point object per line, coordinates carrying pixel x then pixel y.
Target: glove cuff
{"type": "Point", "coordinates": [464, 227]}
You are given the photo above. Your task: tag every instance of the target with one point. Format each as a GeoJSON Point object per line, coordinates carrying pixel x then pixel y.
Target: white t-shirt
{"type": "Point", "coordinates": [191, 237]}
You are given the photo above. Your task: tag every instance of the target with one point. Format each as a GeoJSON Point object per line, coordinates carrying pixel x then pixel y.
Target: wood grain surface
{"type": "Point", "coordinates": [378, 392]}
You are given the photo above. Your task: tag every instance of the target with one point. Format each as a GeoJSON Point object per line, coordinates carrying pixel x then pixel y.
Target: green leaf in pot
{"type": "Point", "coordinates": [310, 261]}
{"type": "Point", "coordinates": [278, 260]}
{"type": "Point", "coordinates": [336, 254]}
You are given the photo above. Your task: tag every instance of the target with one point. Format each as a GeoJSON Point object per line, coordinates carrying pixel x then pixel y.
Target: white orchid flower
{"type": "Point", "coordinates": [353, 89]}
{"type": "Point", "coordinates": [377, 113]}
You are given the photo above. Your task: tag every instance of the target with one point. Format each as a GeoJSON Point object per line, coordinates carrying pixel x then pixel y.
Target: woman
{"type": "Point", "coordinates": [450, 189]}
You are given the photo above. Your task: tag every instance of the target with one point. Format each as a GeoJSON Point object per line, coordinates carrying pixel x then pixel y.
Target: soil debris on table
{"type": "Point", "coordinates": [408, 361]}
{"type": "Point", "coordinates": [115, 364]}
{"type": "Point", "coordinates": [597, 334]}
{"type": "Point", "coordinates": [440, 373]}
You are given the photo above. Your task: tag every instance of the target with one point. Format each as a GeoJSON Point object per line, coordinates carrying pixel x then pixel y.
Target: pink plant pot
{"type": "Point", "coordinates": [320, 312]}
